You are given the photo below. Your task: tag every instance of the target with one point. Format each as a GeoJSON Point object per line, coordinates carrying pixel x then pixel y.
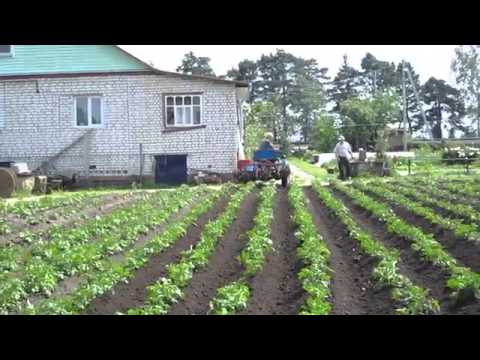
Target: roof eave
{"type": "Point", "coordinates": [200, 77]}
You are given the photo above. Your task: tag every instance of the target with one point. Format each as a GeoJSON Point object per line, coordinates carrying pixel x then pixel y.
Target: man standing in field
{"type": "Point", "coordinates": [343, 152]}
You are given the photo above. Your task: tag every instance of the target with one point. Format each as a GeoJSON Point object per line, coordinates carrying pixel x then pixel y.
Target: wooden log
{"type": "Point", "coordinates": [8, 182]}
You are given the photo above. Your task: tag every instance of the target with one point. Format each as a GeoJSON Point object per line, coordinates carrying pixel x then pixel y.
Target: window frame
{"type": "Point", "coordinates": [183, 106]}
{"type": "Point", "coordinates": [102, 124]}
{"type": "Point", "coordinates": [10, 54]}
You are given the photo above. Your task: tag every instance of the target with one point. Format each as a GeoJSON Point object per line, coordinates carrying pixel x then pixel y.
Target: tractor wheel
{"type": "Point", "coordinates": [8, 182]}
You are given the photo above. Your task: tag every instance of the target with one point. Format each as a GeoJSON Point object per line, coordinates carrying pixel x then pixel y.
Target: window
{"type": "Point", "coordinates": [89, 111]}
{"type": "Point", "coordinates": [183, 110]}
{"type": "Point", "coordinates": [6, 50]}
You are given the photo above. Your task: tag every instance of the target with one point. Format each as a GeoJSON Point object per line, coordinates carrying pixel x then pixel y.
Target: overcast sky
{"type": "Point", "coordinates": [428, 60]}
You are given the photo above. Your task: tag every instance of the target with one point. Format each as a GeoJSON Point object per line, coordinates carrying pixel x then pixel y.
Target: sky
{"type": "Point", "coordinates": [427, 60]}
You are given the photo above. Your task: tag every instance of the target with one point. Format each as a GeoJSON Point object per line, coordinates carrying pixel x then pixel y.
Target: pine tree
{"type": "Point", "coordinates": [193, 65]}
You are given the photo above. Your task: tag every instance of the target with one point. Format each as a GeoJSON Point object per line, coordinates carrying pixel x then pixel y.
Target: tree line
{"type": "Point", "coordinates": [290, 95]}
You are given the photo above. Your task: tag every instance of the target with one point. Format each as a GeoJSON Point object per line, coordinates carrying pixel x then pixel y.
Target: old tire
{"type": "Point", "coordinates": [8, 181]}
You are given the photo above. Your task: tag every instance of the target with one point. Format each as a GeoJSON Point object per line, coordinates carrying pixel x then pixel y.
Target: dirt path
{"type": "Point", "coordinates": [276, 289]}
{"type": "Point", "coordinates": [301, 176]}
{"type": "Point", "coordinates": [134, 294]}
{"type": "Point", "coordinates": [223, 267]}
{"type": "Point", "coordinates": [411, 264]}
{"type": "Point", "coordinates": [462, 250]}
{"type": "Point", "coordinates": [353, 289]}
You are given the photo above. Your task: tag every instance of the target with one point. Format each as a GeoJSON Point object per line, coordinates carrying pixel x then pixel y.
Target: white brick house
{"type": "Point", "coordinates": [93, 121]}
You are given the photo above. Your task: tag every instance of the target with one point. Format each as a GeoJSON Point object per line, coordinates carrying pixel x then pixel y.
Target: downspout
{"type": "Point", "coordinates": [241, 96]}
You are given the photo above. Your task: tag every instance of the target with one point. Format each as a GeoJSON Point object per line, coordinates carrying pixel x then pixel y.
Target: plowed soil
{"type": "Point", "coordinates": [276, 290]}
{"type": "Point", "coordinates": [421, 272]}
{"type": "Point", "coordinates": [133, 294]}
{"type": "Point", "coordinates": [352, 286]}
{"type": "Point", "coordinates": [465, 252]}
{"type": "Point", "coordinates": [223, 267]}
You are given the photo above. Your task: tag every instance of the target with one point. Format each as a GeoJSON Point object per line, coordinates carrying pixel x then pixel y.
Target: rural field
{"type": "Point", "coordinates": [401, 245]}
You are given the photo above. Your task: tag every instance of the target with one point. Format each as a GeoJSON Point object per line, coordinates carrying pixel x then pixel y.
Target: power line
{"type": "Point", "coordinates": [366, 125]}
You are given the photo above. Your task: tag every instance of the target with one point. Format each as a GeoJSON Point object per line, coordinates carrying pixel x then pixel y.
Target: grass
{"type": "Point", "coordinates": [313, 170]}
{"type": "Point", "coordinates": [436, 170]}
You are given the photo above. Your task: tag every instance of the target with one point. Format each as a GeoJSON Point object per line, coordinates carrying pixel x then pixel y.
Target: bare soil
{"type": "Point", "coordinates": [276, 290]}
{"type": "Point", "coordinates": [223, 267]}
{"type": "Point", "coordinates": [353, 289]}
{"type": "Point", "coordinates": [134, 294]}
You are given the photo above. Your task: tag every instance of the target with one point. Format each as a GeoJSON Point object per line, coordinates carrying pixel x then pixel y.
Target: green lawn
{"type": "Point", "coordinates": [313, 170]}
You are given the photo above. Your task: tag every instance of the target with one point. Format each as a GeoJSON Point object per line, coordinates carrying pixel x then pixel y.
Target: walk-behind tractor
{"type": "Point", "coordinates": [266, 165]}
{"type": "Point", "coordinates": [16, 177]}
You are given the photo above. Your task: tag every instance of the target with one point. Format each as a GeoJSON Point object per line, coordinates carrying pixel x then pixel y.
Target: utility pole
{"type": "Point", "coordinates": [404, 91]}
{"type": "Point", "coordinates": [374, 82]}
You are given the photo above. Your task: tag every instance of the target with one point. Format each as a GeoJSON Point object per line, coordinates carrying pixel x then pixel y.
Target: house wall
{"type": "Point", "coordinates": [38, 122]}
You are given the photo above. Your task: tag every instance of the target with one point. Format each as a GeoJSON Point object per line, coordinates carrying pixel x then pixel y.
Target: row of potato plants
{"type": "Point", "coordinates": [465, 188]}
{"type": "Point", "coordinates": [170, 289]}
{"type": "Point", "coordinates": [457, 226]}
{"type": "Point", "coordinates": [27, 208]}
{"type": "Point", "coordinates": [414, 300]}
{"type": "Point", "coordinates": [113, 271]}
{"type": "Point", "coordinates": [58, 239]}
{"type": "Point", "coordinates": [234, 297]}
{"type": "Point", "coordinates": [37, 211]}
{"type": "Point", "coordinates": [429, 187]}
{"type": "Point", "coordinates": [461, 278]}
{"type": "Point", "coordinates": [460, 190]}
{"type": "Point", "coordinates": [315, 276]}
{"type": "Point", "coordinates": [465, 211]}
{"type": "Point", "coordinates": [19, 249]}
{"type": "Point", "coordinates": [5, 228]}
{"type": "Point", "coordinates": [79, 250]}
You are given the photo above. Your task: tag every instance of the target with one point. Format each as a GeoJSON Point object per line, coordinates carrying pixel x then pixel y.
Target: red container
{"type": "Point", "coordinates": [243, 163]}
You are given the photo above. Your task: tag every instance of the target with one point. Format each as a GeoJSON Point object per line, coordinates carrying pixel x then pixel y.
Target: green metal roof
{"type": "Point", "coordinates": [58, 59]}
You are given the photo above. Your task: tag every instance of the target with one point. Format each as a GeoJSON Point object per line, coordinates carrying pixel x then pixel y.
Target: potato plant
{"type": "Point", "coordinates": [316, 274]}
{"type": "Point", "coordinates": [461, 229]}
{"type": "Point", "coordinates": [414, 300]}
{"type": "Point", "coordinates": [169, 289]}
{"type": "Point", "coordinates": [81, 249]}
{"type": "Point", "coordinates": [467, 212]}
{"type": "Point", "coordinates": [110, 271]}
{"type": "Point", "coordinates": [228, 299]}
{"type": "Point", "coordinates": [430, 187]}
{"type": "Point", "coordinates": [259, 237]}
{"type": "Point", "coordinates": [461, 278]}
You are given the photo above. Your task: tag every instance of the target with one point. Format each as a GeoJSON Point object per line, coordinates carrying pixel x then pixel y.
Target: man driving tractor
{"type": "Point", "coordinates": [268, 163]}
{"type": "Point", "coordinates": [267, 141]}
